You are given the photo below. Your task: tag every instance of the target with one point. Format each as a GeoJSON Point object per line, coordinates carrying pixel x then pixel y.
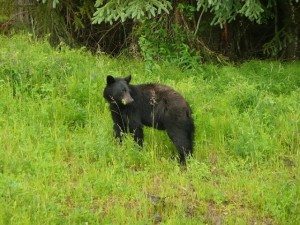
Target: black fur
{"type": "Point", "coordinates": [155, 105]}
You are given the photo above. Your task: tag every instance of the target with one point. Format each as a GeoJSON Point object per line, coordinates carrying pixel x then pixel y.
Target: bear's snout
{"type": "Point", "coordinates": [127, 100]}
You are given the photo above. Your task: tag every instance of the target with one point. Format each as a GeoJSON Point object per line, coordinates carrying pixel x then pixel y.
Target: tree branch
{"type": "Point", "coordinates": [198, 22]}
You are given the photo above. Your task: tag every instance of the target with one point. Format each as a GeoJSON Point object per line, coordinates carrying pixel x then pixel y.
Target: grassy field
{"type": "Point", "coordinates": [59, 163]}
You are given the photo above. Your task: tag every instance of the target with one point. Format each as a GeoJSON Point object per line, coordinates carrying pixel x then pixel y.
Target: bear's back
{"type": "Point", "coordinates": [159, 92]}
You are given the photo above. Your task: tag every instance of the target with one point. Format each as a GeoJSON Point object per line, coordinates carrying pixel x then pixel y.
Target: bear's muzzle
{"type": "Point", "coordinates": [127, 100]}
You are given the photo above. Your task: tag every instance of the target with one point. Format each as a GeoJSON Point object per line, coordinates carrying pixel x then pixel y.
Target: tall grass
{"type": "Point", "coordinates": [59, 163]}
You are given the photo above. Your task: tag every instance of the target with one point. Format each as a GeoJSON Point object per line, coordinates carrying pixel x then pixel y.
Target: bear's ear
{"type": "Point", "coordinates": [110, 79]}
{"type": "Point", "coordinates": [128, 78]}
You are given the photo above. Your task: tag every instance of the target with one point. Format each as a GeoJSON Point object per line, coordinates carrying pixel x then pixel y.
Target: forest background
{"type": "Point", "coordinates": [180, 31]}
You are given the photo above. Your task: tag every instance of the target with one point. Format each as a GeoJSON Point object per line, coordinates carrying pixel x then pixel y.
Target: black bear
{"type": "Point", "coordinates": [155, 105]}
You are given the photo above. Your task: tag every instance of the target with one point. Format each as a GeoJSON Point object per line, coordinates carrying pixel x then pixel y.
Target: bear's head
{"type": "Point", "coordinates": [117, 90]}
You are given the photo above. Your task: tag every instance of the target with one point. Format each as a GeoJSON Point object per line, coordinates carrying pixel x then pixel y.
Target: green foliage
{"type": "Point", "coordinates": [54, 2]}
{"type": "Point", "coordinates": [228, 10]}
{"type": "Point", "coordinates": [59, 163]}
{"type": "Point", "coordinates": [131, 9]}
{"type": "Point", "coordinates": [139, 10]}
{"type": "Point", "coordinates": [6, 9]}
{"type": "Point", "coordinates": [159, 45]}
{"type": "Point", "coordinates": [189, 10]}
{"type": "Point", "coordinates": [278, 43]}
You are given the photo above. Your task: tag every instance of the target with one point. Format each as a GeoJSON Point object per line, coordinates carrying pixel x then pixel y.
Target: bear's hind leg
{"type": "Point", "coordinates": [182, 142]}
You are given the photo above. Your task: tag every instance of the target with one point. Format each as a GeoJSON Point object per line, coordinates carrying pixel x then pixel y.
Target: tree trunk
{"type": "Point", "coordinates": [290, 15]}
{"type": "Point", "coordinates": [22, 14]}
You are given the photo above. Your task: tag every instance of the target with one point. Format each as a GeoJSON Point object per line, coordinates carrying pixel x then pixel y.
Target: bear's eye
{"type": "Point", "coordinates": [124, 90]}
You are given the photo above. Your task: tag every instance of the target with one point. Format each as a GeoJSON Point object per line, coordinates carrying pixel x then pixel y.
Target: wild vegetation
{"type": "Point", "coordinates": [59, 163]}
{"type": "Point", "coordinates": [210, 29]}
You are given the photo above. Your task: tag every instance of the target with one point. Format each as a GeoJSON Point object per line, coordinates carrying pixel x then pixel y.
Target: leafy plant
{"type": "Point", "coordinates": [158, 45]}
{"type": "Point", "coordinates": [278, 43]}
{"type": "Point", "coordinates": [123, 10]}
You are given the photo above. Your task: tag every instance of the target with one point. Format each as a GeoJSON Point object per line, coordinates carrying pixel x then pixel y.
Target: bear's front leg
{"type": "Point", "coordinates": [118, 132]}
{"type": "Point", "coordinates": [138, 135]}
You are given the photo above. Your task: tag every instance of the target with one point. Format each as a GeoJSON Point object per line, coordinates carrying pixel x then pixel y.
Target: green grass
{"type": "Point", "coordinates": [59, 163]}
